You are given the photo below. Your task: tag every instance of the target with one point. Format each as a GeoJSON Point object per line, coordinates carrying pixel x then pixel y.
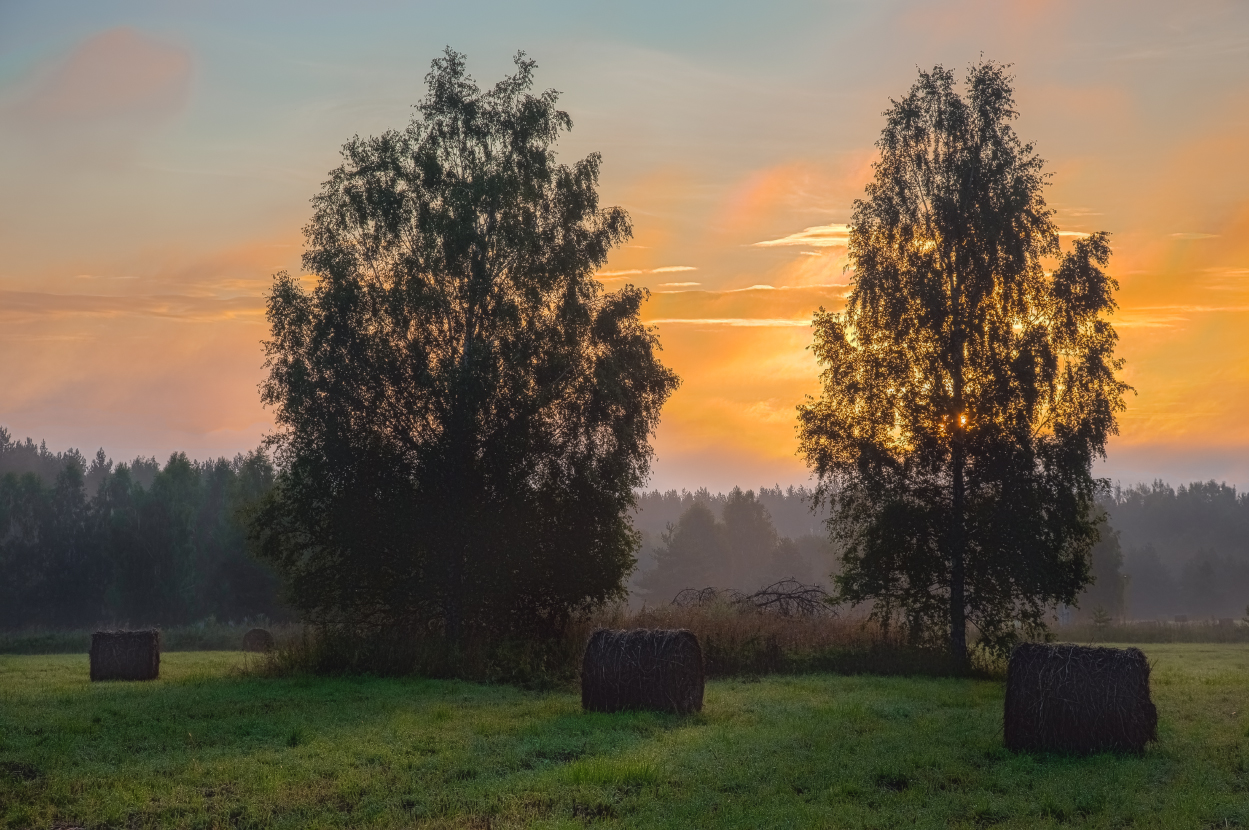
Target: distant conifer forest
{"type": "Point", "coordinates": [86, 541]}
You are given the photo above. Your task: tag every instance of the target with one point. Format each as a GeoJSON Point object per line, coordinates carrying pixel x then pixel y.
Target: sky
{"type": "Point", "coordinates": [157, 162]}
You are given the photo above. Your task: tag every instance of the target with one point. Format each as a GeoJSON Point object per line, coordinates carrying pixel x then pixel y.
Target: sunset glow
{"type": "Point", "coordinates": [157, 167]}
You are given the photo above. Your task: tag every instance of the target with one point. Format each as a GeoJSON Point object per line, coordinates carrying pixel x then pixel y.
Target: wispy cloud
{"type": "Point", "coordinates": [1227, 279]}
{"type": "Point", "coordinates": [25, 306]}
{"type": "Point", "coordinates": [1169, 316]}
{"type": "Point", "coordinates": [667, 269]}
{"type": "Point", "coordinates": [819, 236]}
{"type": "Point", "coordinates": [1155, 321]}
{"type": "Point", "coordinates": [1077, 234]}
{"type": "Point", "coordinates": [1193, 235]}
{"type": "Point", "coordinates": [749, 322]}
{"type": "Point", "coordinates": [812, 287]}
{"type": "Point", "coordinates": [1194, 309]}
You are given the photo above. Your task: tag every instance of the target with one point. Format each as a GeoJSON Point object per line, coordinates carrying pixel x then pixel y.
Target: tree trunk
{"type": "Point", "coordinates": [459, 530]}
{"type": "Point", "coordinates": [958, 538]}
{"type": "Point", "coordinates": [958, 606]}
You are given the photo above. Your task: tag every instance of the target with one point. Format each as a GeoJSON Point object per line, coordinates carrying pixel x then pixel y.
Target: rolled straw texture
{"type": "Point", "coordinates": [658, 670]}
{"type": "Point", "coordinates": [1078, 699]}
{"type": "Point", "coordinates": [125, 655]}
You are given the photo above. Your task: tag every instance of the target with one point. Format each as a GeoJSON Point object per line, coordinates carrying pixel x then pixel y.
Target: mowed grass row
{"type": "Point", "coordinates": [209, 746]}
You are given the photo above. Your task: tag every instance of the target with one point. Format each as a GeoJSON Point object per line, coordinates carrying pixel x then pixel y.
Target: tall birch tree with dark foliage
{"type": "Point", "coordinates": [966, 390]}
{"type": "Point", "coordinates": [464, 414]}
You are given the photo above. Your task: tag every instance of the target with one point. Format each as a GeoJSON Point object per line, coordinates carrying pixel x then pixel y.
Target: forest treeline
{"type": "Point", "coordinates": [85, 541]}
{"type": "Point", "coordinates": [740, 539]}
{"type": "Point", "coordinates": [1185, 549]}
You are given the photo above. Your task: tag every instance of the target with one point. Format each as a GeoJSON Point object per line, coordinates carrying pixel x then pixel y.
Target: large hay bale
{"type": "Point", "coordinates": [125, 655]}
{"type": "Point", "coordinates": [660, 670]}
{"type": "Point", "coordinates": [1078, 699]}
{"type": "Point", "coordinates": [258, 640]}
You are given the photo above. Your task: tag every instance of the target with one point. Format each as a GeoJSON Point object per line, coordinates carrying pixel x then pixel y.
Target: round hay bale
{"type": "Point", "coordinates": [1078, 699]}
{"type": "Point", "coordinates": [258, 639]}
{"type": "Point", "coordinates": [125, 655]}
{"type": "Point", "coordinates": [659, 670]}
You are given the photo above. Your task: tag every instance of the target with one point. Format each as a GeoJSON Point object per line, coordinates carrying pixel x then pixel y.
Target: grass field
{"type": "Point", "coordinates": [207, 746]}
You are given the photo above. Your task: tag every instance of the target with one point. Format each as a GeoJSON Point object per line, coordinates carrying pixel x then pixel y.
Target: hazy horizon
{"type": "Point", "coordinates": [720, 481]}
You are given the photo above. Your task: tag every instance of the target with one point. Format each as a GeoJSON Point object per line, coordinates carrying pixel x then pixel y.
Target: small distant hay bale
{"type": "Point", "coordinates": [1078, 700]}
{"type": "Point", "coordinates": [258, 639]}
{"type": "Point", "coordinates": [659, 670]}
{"type": "Point", "coordinates": [125, 655]}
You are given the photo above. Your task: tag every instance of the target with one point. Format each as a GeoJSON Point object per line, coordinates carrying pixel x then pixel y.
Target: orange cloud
{"type": "Point", "coordinates": [29, 307]}
{"type": "Point", "coordinates": [732, 420]}
{"type": "Point", "coordinates": [819, 236]}
{"type": "Point", "coordinates": [1021, 21]}
{"type": "Point", "coordinates": [787, 193]}
{"type": "Point", "coordinates": [117, 73]}
{"type": "Point", "coordinates": [108, 93]}
{"type": "Point", "coordinates": [135, 381]}
{"type": "Point", "coordinates": [777, 306]}
{"type": "Point", "coordinates": [154, 353]}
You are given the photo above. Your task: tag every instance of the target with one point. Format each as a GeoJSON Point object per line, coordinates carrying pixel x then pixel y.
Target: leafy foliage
{"type": "Point", "coordinates": [966, 390]}
{"type": "Point", "coordinates": [464, 413]}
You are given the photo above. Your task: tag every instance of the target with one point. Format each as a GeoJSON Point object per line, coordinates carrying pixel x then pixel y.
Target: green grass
{"type": "Point", "coordinates": [207, 746]}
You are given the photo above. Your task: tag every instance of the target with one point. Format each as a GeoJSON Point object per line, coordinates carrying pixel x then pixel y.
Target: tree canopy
{"type": "Point", "coordinates": [464, 413]}
{"type": "Point", "coordinates": [966, 389]}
